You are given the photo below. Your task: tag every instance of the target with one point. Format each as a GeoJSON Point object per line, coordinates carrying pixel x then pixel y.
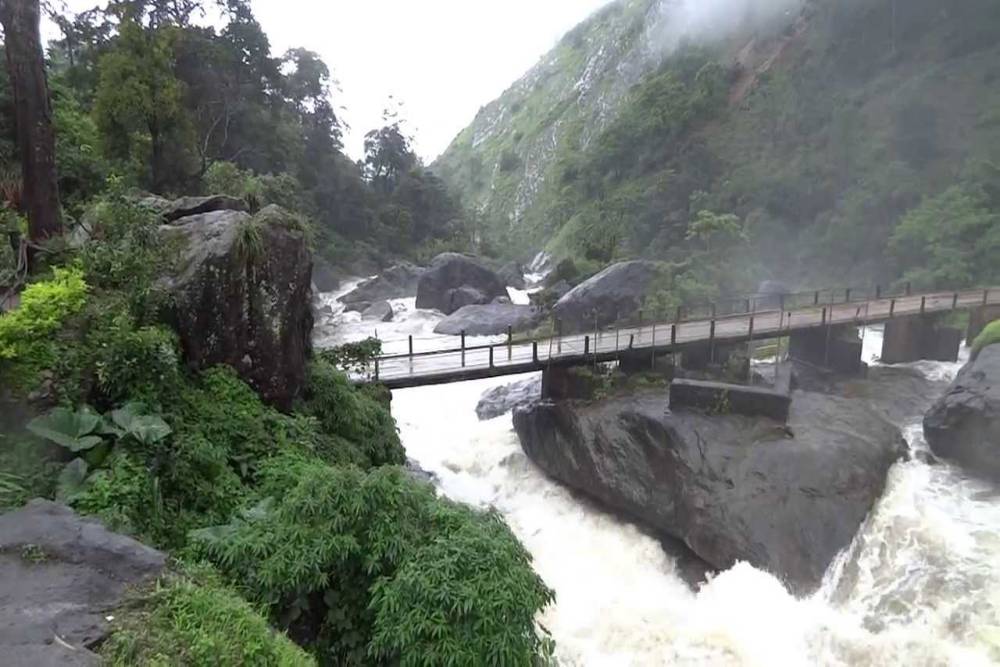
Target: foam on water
{"type": "Point", "coordinates": [920, 585]}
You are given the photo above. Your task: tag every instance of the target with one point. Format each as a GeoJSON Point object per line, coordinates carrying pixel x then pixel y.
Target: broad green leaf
{"type": "Point", "coordinates": [71, 480]}
{"type": "Point", "coordinates": [67, 428]}
{"type": "Point", "coordinates": [147, 429]}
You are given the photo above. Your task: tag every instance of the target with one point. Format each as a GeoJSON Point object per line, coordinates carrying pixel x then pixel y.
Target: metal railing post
{"type": "Point", "coordinates": [954, 301]}
{"type": "Point", "coordinates": [823, 322]}
{"type": "Point", "coordinates": [923, 304]}
{"type": "Point", "coordinates": [510, 342]}
{"type": "Point", "coordinates": [986, 296]}
{"type": "Point", "coordinates": [558, 335]}
{"type": "Point", "coordinates": [673, 334]}
{"type": "Point", "coordinates": [463, 348]}
{"type": "Point", "coordinates": [534, 351]}
{"type": "Point", "coordinates": [376, 369]}
{"type": "Point", "coordinates": [411, 347]}
{"type": "Point", "coordinates": [586, 345]}
{"type": "Point", "coordinates": [909, 288]}
{"type": "Point", "coordinates": [892, 308]}
{"type": "Point", "coordinates": [878, 291]}
{"type": "Point", "coordinates": [847, 295]}
{"type": "Point", "coordinates": [816, 298]}
{"type": "Point", "coordinates": [491, 356]}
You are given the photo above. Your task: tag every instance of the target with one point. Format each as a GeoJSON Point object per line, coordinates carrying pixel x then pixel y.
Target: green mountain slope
{"type": "Point", "coordinates": [845, 141]}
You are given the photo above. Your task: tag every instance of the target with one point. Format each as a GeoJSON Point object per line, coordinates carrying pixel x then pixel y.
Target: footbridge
{"type": "Point", "coordinates": [807, 320]}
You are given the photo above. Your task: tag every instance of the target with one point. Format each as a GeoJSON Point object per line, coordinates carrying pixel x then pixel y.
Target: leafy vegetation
{"type": "Point", "coordinates": [990, 335]}
{"type": "Point", "coordinates": [172, 104]}
{"type": "Point", "coordinates": [194, 619]}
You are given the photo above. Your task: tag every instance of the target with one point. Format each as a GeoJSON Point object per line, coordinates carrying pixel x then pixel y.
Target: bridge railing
{"type": "Point", "coordinates": [645, 328]}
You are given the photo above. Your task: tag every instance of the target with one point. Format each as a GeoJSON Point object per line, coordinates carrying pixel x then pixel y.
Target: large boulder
{"type": "Point", "coordinates": [785, 498]}
{"type": "Point", "coordinates": [324, 276]}
{"type": "Point", "coordinates": [175, 209]}
{"type": "Point", "coordinates": [380, 311]}
{"type": "Point", "coordinates": [60, 577]}
{"type": "Point", "coordinates": [512, 274]}
{"type": "Point", "coordinates": [241, 297]}
{"type": "Point", "coordinates": [964, 425]}
{"type": "Point", "coordinates": [615, 293]}
{"type": "Point", "coordinates": [501, 400]}
{"type": "Point", "coordinates": [397, 282]}
{"type": "Point", "coordinates": [489, 319]}
{"type": "Point", "coordinates": [454, 280]}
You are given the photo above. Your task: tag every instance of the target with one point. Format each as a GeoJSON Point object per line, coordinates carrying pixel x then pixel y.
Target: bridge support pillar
{"type": "Point", "coordinates": [566, 382]}
{"type": "Point", "coordinates": [837, 348]}
{"type": "Point", "coordinates": [919, 337]}
{"type": "Point", "coordinates": [978, 319]}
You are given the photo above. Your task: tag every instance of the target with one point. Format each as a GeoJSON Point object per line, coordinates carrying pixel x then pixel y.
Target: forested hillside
{"type": "Point", "coordinates": [151, 94]}
{"type": "Point", "coordinates": [860, 133]}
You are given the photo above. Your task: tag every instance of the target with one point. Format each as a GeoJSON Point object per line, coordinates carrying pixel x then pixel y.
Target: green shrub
{"type": "Point", "coordinates": [28, 469]}
{"type": "Point", "coordinates": [196, 620]}
{"type": "Point", "coordinates": [334, 551]}
{"type": "Point", "coordinates": [26, 345]}
{"type": "Point", "coordinates": [990, 335]}
{"type": "Point", "coordinates": [355, 416]}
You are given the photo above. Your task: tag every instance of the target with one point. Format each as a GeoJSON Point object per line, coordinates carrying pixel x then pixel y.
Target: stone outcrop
{"type": "Point", "coordinates": [60, 577]}
{"type": "Point", "coordinates": [786, 498]}
{"type": "Point", "coordinates": [512, 274]}
{"type": "Point", "coordinates": [454, 280]}
{"type": "Point", "coordinates": [501, 400]}
{"type": "Point", "coordinates": [240, 295]}
{"type": "Point", "coordinates": [325, 277]}
{"type": "Point", "coordinates": [615, 293]}
{"type": "Point", "coordinates": [489, 319]}
{"type": "Point", "coordinates": [964, 425]}
{"type": "Point", "coordinates": [397, 282]}
{"type": "Point", "coordinates": [380, 311]}
{"type": "Point", "coordinates": [175, 209]}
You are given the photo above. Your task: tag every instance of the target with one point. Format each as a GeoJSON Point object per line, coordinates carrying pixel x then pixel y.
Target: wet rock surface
{"type": "Point", "coordinates": [964, 424]}
{"type": "Point", "coordinates": [60, 577]}
{"type": "Point", "coordinates": [785, 498]}
{"type": "Point", "coordinates": [175, 209]}
{"type": "Point", "coordinates": [512, 274]}
{"type": "Point", "coordinates": [397, 282]}
{"type": "Point", "coordinates": [245, 305]}
{"type": "Point", "coordinates": [489, 319]}
{"type": "Point", "coordinates": [380, 311]}
{"type": "Point", "coordinates": [616, 292]}
{"type": "Point", "coordinates": [501, 400]}
{"type": "Point", "coordinates": [454, 280]}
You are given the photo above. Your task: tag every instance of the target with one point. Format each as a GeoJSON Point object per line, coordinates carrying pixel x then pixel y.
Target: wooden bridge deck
{"type": "Point", "coordinates": [509, 358]}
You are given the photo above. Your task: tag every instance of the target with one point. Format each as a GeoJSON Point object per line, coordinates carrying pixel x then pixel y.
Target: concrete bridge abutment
{"type": "Point", "coordinates": [919, 337]}
{"type": "Point", "coordinates": [979, 318]}
{"type": "Point", "coordinates": [837, 348]}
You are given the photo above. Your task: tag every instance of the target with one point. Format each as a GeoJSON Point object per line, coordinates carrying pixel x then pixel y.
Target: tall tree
{"type": "Point", "coordinates": [33, 117]}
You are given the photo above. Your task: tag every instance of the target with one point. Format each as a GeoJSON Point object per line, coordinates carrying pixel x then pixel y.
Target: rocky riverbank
{"type": "Point", "coordinates": [786, 499]}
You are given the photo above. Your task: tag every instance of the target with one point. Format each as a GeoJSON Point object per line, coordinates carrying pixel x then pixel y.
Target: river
{"type": "Point", "coordinates": [920, 585]}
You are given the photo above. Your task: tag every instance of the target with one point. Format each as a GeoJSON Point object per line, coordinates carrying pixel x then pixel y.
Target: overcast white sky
{"type": "Point", "coordinates": [442, 59]}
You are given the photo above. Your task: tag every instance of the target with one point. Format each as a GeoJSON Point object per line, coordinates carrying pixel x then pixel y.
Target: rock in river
{"type": "Point", "coordinates": [380, 311]}
{"type": "Point", "coordinates": [454, 280]}
{"type": "Point", "coordinates": [241, 297]}
{"type": "Point", "coordinates": [616, 292]}
{"type": "Point", "coordinates": [964, 425]}
{"type": "Point", "coordinates": [489, 319]}
{"type": "Point", "coordinates": [397, 282]}
{"type": "Point", "coordinates": [500, 400]}
{"type": "Point", "coordinates": [785, 499]}
{"type": "Point", "coordinates": [60, 576]}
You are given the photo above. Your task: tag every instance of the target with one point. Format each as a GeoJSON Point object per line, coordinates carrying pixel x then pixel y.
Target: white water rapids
{"type": "Point", "coordinates": [920, 585]}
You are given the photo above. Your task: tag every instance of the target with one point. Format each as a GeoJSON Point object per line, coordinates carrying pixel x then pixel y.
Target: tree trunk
{"type": "Point", "coordinates": [33, 117]}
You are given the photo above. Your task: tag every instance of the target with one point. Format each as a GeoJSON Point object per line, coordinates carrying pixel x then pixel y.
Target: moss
{"type": "Point", "coordinates": [193, 619]}
{"type": "Point", "coordinates": [990, 335]}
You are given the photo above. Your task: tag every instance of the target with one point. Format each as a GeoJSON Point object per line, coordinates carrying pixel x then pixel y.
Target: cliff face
{"type": "Point", "coordinates": [836, 120]}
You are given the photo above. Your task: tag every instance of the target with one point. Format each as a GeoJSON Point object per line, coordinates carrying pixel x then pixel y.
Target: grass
{"type": "Point", "coordinates": [193, 619]}
{"type": "Point", "coordinates": [988, 336]}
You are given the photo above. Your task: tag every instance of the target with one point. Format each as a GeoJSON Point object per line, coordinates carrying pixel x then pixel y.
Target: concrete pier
{"type": "Point", "coordinates": [837, 348]}
{"type": "Point", "coordinates": [919, 337]}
